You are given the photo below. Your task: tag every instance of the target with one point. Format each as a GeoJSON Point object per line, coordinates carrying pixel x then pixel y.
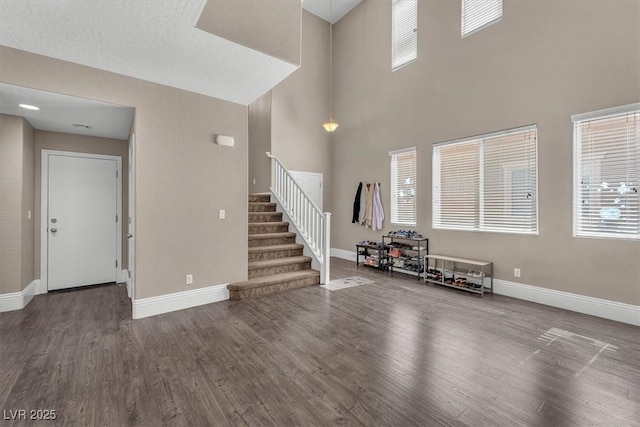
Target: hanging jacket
{"type": "Point", "coordinates": [368, 216]}
{"type": "Point", "coordinates": [356, 205]}
{"type": "Point", "coordinates": [363, 203]}
{"type": "Point", "coordinates": [378, 211]}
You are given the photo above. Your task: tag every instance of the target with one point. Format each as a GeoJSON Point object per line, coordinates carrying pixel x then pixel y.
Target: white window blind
{"type": "Point", "coordinates": [607, 173]}
{"type": "Point", "coordinates": [478, 14]}
{"type": "Point", "coordinates": [487, 183]}
{"type": "Point", "coordinates": [404, 36]}
{"type": "Point", "coordinates": [403, 187]}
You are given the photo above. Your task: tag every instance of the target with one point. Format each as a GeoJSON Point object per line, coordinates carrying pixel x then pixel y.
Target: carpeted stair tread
{"type": "Point", "coordinates": [262, 236]}
{"type": "Point", "coordinates": [259, 197]}
{"type": "Point", "coordinates": [263, 224]}
{"type": "Point", "coordinates": [275, 279]}
{"type": "Point", "coordinates": [268, 227]}
{"type": "Point", "coordinates": [255, 265]}
{"type": "Point", "coordinates": [262, 207]}
{"type": "Point", "coordinates": [270, 239]}
{"type": "Point", "coordinates": [272, 248]}
{"type": "Point", "coordinates": [265, 217]}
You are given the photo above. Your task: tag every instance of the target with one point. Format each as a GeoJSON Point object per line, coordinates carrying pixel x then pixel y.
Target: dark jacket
{"type": "Point", "coordinates": [356, 204]}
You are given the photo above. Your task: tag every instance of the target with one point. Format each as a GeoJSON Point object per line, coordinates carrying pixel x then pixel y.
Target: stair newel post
{"type": "Point", "coordinates": [325, 272]}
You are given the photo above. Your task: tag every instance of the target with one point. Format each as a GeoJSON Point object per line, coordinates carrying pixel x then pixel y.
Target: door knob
{"type": "Point", "coordinates": [129, 236]}
{"type": "Point", "coordinates": [54, 220]}
{"type": "Point", "coordinates": [53, 230]}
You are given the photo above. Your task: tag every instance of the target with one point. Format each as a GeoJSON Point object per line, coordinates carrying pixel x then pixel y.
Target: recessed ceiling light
{"type": "Point", "coordinates": [28, 107]}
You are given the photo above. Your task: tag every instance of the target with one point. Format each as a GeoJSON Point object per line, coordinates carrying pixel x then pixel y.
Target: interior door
{"type": "Point", "coordinates": [81, 221]}
{"type": "Point", "coordinates": [311, 183]}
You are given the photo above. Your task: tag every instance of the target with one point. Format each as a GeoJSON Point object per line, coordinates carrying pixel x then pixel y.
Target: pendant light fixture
{"type": "Point", "coordinates": [331, 125]}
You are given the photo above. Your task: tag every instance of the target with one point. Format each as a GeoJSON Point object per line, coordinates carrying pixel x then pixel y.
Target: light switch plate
{"type": "Point", "coordinates": [222, 214]}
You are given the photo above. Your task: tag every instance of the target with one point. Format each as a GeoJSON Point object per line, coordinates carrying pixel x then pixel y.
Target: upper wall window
{"type": "Point", "coordinates": [606, 155]}
{"type": "Point", "coordinates": [403, 186]}
{"type": "Point", "coordinates": [478, 14]}
{"type": "Point", "coordinates": [487, 183]}
{"type": "Point", "coordinates": [404, 32]}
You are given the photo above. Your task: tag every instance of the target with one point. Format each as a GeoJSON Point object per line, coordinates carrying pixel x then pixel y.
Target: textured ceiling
{"type": "Point", "coordinates": [330, 10]}
{"type": "Point", "coordinates": [150, 40]}
{"type": "Point", "coordinates": [58, 112]}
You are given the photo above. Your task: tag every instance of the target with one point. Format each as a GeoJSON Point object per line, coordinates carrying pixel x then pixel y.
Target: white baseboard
{"type": "Point", "coordinates": [598, 307]}
{"type": "Point", "coordinates": [343, 254]}
{"type": "Point", "coordinates": [41, 288]}
{"type": "Point", "coordinates": [18, 300]}
{"type": "Point", "coordinates": [178, 301]}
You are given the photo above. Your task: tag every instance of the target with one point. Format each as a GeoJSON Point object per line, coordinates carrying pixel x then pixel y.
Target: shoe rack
{"type": "Point", "coordinates": [406, 254]}
{"type": "Point", "coordinates": [461, 273]}
{"type": "Point", "coordinates": [373, 255]}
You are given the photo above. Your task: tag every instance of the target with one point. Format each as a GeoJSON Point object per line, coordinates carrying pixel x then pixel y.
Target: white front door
{"type": "Point", "coordinates": [311, 184]}
{"type": "Point", "coordinates": [82, 232]}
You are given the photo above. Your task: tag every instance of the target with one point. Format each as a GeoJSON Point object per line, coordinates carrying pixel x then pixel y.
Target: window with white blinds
{"type": "Point", "coordinates": [606, 173]}
{"type": "Point", "coordinates": [403, 186]}
{"type": "Point", "coordinates": [478, 14]}
{"type": "Point", "coordinates": [487, 183]}
{"type": "Point", "coordinates": [404, 32]}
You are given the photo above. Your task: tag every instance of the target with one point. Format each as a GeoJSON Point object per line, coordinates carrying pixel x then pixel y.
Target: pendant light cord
{"type": "Point", "coordinates": [331, 72]}
{"type": "Point", "coordinates": [331, 125]}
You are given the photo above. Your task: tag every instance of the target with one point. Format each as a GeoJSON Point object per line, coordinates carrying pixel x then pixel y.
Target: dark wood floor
{"type": "Point", "coordinates": [395, 352]}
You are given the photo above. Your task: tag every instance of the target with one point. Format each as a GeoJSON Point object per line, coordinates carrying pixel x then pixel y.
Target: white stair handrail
{"type": "Point", "coordinates": [313, 225]}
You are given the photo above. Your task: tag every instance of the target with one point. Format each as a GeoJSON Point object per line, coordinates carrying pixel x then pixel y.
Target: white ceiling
{"type": "Point", "coordinates": [329, 10]}
{"type": "Point", "coordinates": [150, 40]}
{"type": "Point", "coordinates": [58, 112]}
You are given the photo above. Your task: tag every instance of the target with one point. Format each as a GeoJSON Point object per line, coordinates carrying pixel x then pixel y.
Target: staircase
{"type": "Point", "coordinates": [276, 263]}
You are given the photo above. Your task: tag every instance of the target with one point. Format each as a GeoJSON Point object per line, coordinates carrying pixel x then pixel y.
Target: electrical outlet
{"type": "Point", "coordinates": [516, 272]}
{"type": "Point", "coordinates": [29, 214]}
{"type": "Point", "coordinates": [189, 279]}
{"type": "Point", "coordinates": [222, 214]}
{"type": "Point", "coordinates": [254, 182]}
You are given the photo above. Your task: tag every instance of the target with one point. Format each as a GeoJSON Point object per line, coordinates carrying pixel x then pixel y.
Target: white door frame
{"type": "Point", "coordinates": [131, 223]}
{"type": "Point", "coordinates": [44, 204]}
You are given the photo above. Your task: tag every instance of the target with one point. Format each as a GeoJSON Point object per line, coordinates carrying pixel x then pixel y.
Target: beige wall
{"type": "Point", "coordinates": [300, 104]}
{"type": "Point", "coordinates": [182, 177]}
{"type": "Point", "coordinates": [271, 27]}
{"type": "Point", "coordinates": [259, 144]}
{"type": "Point", "coordinates": [545, 61]}
{"type": "Point", "coordinates": [16, 199]}
{"type": "Point", "coordinates": [80, 144]}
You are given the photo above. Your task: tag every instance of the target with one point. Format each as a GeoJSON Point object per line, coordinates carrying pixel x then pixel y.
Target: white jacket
{"type": "Point", "coordinates": [378, 211]}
